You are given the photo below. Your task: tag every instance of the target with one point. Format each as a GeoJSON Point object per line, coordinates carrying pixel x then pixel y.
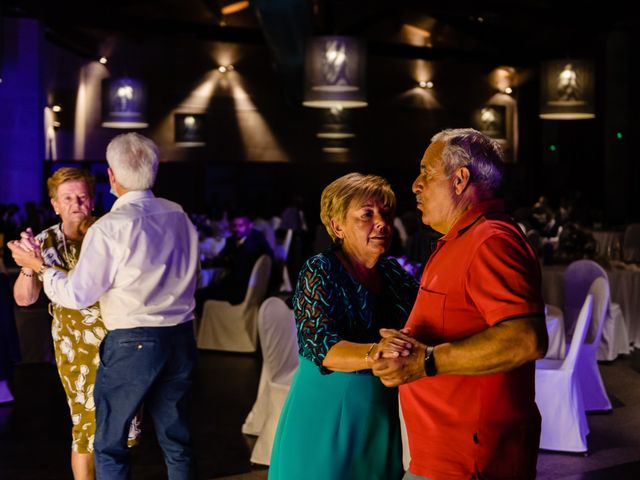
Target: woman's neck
{"type": "Point", "coordinates": [71, 231]}
{"type": "Point", "coordinates": [364, 272]}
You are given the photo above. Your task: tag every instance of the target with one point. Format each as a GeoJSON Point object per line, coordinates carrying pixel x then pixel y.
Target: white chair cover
{"type": "Point", "coordinates": [558, 394]}
{"type": "Point", "coordinates": [555, 328]}
{"type": "Point", "coordinates": [233, 328]}
{"type": "Point", "coordinates": [278, 340]}
{"type": "Point", "coordinates": [615, 338]}
{"type": "Point", "coordinates": [594, 395]}
{"type": "Point", "coordinates": [282, 254]}
{"type": "Point", "coordinates": [578, 279]}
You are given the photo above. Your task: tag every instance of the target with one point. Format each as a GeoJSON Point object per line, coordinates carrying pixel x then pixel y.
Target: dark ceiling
{"type": "Point", "coordinates": [515, 32]}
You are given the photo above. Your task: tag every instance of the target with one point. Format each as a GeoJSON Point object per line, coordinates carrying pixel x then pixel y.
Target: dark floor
{"type": "Point", "coordinates": [35, 431]}
{"type": "Point", "coordinates": [35, 428]}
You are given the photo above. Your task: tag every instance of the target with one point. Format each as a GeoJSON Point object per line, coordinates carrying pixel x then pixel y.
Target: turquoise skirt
{"type": "Point", "coordinates": [341, 426]}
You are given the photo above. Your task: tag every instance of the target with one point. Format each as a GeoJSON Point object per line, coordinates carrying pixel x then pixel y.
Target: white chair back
{"type": "Point", "coordinates": [278, 339]}
{"type": "Point", "coordinates": [233, 328]}
{"type": "Point", "coordinates": [578, 279]}
{"type": "Point", "coordinates": [281, 251]}
{"type": "Point", "coordinates": [258, 281]}
{"type": "Point", "coordinates": [579, 334]}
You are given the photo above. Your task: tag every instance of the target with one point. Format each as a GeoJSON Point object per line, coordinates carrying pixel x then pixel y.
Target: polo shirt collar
{"type": "Point", "coordinates": [131, 197]}
{"type": "Point", "coordinates": [472, 215]}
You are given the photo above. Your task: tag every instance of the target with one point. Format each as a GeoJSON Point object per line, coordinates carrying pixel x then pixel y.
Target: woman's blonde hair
{"type": "Point", "coordinates": [69, 174]}
{"type": "Point", "coordinates": [338, 196]}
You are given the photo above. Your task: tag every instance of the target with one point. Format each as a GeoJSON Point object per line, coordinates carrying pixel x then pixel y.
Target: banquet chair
{"type": "Point", "coordinates": [278, 341]}
{"type": "Point", "coordinates": [558, 394]}
{"type": "Point", "coordinates": [631, 243]}
{"type": "Point", "coordinates": [615, 337]}
{"type": "Point", "coordinates": [578, 279]}
{"type": "Point", "coordinates": [233, 328]}
{"type": "Point", "coordinates": [282, 254]}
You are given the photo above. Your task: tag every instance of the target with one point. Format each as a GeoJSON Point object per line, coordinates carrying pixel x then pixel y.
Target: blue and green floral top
{"type": "Point", "coordinates": [330, 305]}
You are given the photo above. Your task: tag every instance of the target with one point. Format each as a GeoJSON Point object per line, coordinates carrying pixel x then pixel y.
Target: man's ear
{"type": "Point", "coordinates": [461, 179]}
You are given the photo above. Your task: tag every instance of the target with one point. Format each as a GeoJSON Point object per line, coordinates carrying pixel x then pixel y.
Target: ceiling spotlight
{"type": "Point", "coordinates": [56, 108]}
{"type": "Point", "coordinates": [508, 90]}
{"type": "Point", "coordinates": [103, 60]}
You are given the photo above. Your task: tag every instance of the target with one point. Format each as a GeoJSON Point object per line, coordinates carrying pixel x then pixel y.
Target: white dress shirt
{"type": "Point", "coordinates": [140, 260]}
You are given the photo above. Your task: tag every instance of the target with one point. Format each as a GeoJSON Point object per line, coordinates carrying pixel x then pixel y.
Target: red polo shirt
{"type": "Point", "coordinates": [482, 272]}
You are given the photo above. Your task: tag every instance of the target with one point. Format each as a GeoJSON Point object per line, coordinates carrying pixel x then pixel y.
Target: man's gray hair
{"type": "Point", "coordinates": [134, 161]}
{"type": "Point", "coordinates": [466, 147]}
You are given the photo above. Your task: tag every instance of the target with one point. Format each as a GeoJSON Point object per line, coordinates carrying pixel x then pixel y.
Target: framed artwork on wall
{"type": "Point", "coordinates": [190, 129]}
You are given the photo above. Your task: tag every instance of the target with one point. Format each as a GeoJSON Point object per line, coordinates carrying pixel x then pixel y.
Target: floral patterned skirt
{"type": "Point", "coordinates": [76, 339]}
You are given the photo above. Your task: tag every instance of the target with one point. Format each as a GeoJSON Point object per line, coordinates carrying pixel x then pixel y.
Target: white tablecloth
{"type": "Point", "coordinates": [609, 243]}
{"type": "Point", "coordinates": [625, 290]}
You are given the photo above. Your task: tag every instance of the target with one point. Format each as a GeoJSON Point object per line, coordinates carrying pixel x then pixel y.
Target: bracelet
{"type": "Point", "coordinates": [366, 356]}
{"type": "Point", "coordinates": [25, 273]}
{"type": "Point", "coordinates": [429, 362]}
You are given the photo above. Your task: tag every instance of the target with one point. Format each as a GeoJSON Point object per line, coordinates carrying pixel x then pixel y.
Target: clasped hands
{"type": "Point", "coordinates": [399, 358]}
{"type": "Point", "coordinates": [26, 252]}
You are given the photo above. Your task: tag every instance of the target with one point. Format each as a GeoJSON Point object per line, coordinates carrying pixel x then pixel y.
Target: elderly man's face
{"type": "Point", "coordinates": [434, 190]}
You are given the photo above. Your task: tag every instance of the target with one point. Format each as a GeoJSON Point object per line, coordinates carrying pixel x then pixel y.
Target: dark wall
{"type": "Point", "coordinates": [260, 148]}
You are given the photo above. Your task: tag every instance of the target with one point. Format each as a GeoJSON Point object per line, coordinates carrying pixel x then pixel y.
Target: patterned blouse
{"type": "Point", "coordinates": [330, 305]}
{"type": "Point", "coordinates": [63, 254]}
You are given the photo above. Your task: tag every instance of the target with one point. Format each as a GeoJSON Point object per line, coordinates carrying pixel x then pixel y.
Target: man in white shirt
{"type": "Point", "coordinates": [140, 261]}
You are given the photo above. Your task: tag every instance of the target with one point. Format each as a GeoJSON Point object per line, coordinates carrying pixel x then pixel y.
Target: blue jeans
{"type": "Point", "coordinates": [153, 364]}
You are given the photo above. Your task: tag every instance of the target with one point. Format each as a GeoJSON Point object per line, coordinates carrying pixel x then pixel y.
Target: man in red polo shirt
{"type": "Point", "coordinates": [467, 385]}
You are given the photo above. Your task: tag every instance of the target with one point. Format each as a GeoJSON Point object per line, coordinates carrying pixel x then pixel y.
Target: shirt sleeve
{"type": "Point", "coordinates": [92, 276]}
{"type": "Point", "coordinates": [314, 307]}
{"type": "Point", "coordinates": [503, 280]}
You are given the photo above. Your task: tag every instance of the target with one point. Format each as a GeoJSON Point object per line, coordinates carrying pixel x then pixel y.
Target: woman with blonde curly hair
{"type": "Point", "coordinates": [339, 421]}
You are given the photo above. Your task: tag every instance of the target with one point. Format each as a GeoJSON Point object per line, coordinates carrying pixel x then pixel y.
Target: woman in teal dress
{"type": "Point", "coordinates": [339, 422]}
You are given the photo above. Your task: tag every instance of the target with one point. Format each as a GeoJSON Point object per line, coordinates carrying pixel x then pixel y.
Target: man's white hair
{"type": "Point", "coordinates": [134, 161]}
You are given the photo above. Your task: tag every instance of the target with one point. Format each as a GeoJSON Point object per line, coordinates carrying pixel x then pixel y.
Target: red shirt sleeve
{"type": "Point", "coordinates": [503, 280]}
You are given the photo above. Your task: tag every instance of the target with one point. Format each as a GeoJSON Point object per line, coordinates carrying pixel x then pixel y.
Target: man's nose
{"type": "Point", "coordinates": [417, 185]}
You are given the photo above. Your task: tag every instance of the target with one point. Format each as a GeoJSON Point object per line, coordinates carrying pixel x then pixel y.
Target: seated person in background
{"type": "Point", "coordinates": [240, 253]}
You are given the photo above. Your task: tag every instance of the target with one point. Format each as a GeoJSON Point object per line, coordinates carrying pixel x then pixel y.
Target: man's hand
{"type": "Point", "coordinates": [394, 371]}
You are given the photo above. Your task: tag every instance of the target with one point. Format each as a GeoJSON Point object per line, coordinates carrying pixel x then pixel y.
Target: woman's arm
{"type": "Point", "coordinates": [28, 286]}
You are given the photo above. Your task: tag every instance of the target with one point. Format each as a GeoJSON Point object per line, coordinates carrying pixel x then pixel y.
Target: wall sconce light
{"type": "Point", "coordinates": [423, 84]}
{"type": "Point", "coordinates": [123, 103]}
{"type": "Point", "coordinates": [103, 60]}
{"type": "Point", "coordinates": [335, 68]}
{"type": "Point", "coordinates": [567, 90]}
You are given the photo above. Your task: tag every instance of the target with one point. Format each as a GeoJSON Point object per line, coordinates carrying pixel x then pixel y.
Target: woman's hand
{"type": "Point", "coordinates": [394, 344]}
{"type": "Point", "coordinates": [28, 242]}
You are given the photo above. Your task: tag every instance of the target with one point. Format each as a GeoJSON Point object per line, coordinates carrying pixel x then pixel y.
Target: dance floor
{"type": "Point", "coordinates": [35, 428]}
